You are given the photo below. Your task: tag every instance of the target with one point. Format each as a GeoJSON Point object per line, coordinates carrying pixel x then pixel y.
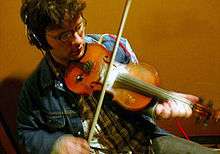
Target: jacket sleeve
{"type": "Point", "coordinates": [29, 133]}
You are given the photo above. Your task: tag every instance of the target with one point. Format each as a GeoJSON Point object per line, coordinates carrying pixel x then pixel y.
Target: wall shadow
{"type": "Point", "coordinates": [9, 93]}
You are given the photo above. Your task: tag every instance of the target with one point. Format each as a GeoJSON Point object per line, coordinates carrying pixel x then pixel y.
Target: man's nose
{"type": "Point", "coordinates": [77, 39]}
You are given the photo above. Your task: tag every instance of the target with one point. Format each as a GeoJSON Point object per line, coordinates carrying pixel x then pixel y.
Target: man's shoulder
{"type": "Point", "coordinates": [108, 41]}
{"type": "Point", "coordinates": [90, 38]}
{"type": "Point", "coordinates": [124, 54]}
{"type": "Point", "coordinates": [39, 76]}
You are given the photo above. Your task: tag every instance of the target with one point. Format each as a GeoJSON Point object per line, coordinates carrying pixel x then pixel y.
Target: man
{"type": "Point", "coordinates": [52, 119]}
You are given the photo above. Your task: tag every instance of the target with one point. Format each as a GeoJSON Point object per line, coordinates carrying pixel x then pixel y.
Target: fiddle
{"type": "Point", "coordinates": [132, 86]}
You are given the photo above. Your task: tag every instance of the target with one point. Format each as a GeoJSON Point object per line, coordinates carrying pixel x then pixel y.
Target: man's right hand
{"type": "Point", "coordinates": [69, 144]}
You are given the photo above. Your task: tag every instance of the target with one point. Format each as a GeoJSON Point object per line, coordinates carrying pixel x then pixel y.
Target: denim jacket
{"type": "Point", "coordinates": [41, 119]}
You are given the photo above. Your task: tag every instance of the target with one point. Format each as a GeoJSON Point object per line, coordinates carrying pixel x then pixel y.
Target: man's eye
{"type": "Point", "coordinates": [65, 35]}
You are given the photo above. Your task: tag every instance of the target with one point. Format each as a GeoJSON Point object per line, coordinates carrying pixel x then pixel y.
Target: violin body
{"type": "Point", "coordinates": [87, 76]}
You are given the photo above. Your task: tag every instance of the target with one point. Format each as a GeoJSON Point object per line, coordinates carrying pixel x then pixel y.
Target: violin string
{"type": "Point", "coordinates": [140, 86]}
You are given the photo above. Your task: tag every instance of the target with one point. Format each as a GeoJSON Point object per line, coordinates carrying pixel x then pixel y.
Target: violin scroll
{"type": "Point", "coordinates": [204, 111]}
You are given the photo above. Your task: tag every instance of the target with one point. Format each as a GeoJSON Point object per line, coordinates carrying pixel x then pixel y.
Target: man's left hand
{"type": "Point", "coordinates": [171, 108]}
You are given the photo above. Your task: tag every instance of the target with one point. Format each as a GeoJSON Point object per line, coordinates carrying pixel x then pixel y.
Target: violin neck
{"type": "Point", "coordinates": [134, 84]}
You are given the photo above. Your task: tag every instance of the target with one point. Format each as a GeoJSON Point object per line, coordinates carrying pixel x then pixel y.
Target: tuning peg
{"type": "Point", "coordinates": [210, 103]}
{"type": "Point", "coordinates": [205, 123]}
{"type": "Point", "coordinates": [197, 119]}
{"type": "Point", "coordinates": [201, 100]}
{"type": "Point", "coordinates": [206, 120]}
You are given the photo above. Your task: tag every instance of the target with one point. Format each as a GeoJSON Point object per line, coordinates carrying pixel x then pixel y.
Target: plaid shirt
{"type": "Point", "coordinates": [113, 133]}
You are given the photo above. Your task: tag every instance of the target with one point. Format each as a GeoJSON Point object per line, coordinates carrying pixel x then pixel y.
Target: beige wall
{"type": "Point", "coordinates": [179, 37]}
{"type": "Point", "coordinates": [16, 56]}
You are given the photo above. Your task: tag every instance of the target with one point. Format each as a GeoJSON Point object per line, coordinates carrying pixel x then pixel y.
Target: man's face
{"type": "Point", "coordinates": [67, 40]}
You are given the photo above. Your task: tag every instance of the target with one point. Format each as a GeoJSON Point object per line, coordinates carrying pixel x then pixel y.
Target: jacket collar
{"type": "Point", "coordinates": [45, 73]}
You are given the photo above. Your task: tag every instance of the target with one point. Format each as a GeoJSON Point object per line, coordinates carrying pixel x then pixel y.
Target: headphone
{"type": "Point", "coordinates": [33, 38]}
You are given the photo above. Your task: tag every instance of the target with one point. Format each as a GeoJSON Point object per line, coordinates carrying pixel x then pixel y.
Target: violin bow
{"type": "Point", "coordinates": [98, 109]}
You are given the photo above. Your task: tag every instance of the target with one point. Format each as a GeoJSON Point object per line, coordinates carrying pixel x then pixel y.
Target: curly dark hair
{"type": "Point", "coordinates": [37, 15]}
